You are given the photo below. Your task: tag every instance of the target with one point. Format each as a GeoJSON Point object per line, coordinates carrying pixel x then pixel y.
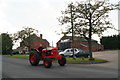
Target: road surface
{"type": "Point", "coordinates": [20, 68]}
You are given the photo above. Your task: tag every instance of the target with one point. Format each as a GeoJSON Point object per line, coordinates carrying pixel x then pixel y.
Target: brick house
{"type": "Point", "coordinates": [79, 42]}
{"type": "Point", "coordinates": [34, 42]}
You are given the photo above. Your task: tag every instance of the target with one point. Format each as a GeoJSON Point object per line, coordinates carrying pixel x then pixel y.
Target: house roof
{"type": "Point", "coordinates": [75, 38]}
{"type": "Point", "coordinates": [34, 38]}
{"type": "Point", "coordinates": [93, 44]}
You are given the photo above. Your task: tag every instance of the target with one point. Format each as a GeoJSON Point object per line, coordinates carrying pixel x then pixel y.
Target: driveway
{"type": "Point", "coordinates": [110, 55]}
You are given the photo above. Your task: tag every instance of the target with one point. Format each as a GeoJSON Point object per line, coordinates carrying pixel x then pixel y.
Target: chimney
{"type": "Point", "coordinates": [41, 36]}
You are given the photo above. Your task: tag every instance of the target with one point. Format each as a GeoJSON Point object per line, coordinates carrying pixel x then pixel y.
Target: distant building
{"type": "Point", "coordinates": [79, 42]}
{"type": "Point", "coordinates": [34, 42]}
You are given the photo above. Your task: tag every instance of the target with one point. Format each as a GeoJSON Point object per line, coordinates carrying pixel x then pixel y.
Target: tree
{"type": "Point", "coordinates": [87, 18]}
{"type": "Point", "coordinates": [23, 34]}
{"type": "Point", "coordinates": [111, 42]}
{"type": "Point", "coordinates": [7, 43]}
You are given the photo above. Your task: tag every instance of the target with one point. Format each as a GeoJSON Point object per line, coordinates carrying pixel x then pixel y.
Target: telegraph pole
{"type": "Point", "coordinates": [71, 11]}
{"type": "Point", "coordinates": [52, 43]}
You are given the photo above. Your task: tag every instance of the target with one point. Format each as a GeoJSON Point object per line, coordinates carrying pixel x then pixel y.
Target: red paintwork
{"type": "Point", "coordinates": [46, 63]}
{"type": "Point", "coordinates": [54, 54]}
{"type": "Point", "coordinates": [47, 49]}
{"type": "Point", "coordinates": [32, 58]}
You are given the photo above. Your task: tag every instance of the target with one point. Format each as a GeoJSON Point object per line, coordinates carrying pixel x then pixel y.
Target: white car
{"type": "Point", "coordinates": [69, 51]}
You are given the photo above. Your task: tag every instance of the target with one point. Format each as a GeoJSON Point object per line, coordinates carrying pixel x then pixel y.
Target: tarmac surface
{"type": "Point", "coordinates": [21, 68]}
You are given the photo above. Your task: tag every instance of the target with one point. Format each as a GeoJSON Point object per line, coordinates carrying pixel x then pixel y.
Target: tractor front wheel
{"type": "Point", "coordinates": [62, 62]}
{"type": "Point", "coordinates": [47, 62]}
{"type": "Point", "coordinates": [34, 59]}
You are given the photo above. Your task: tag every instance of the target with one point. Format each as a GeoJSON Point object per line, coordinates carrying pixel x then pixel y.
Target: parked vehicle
{"type": "Point", "coordinates": [69, 52]}
{"type": "Point", "coordinates": [48, 55]}
{"type": "Point", "coordinates": [60, 51]}
{"type": "Point", "coordinates": [82, 53]}
{"type": "Point", "coordinates": [15, 52]}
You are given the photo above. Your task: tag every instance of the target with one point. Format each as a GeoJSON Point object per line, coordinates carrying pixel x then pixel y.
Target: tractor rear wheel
{"type": "Point", "coordinates": [47, 62]}
{"type": "Point", "coordinates": [62, 62]}
{"type": "Point", "coordinates": [34, 58]}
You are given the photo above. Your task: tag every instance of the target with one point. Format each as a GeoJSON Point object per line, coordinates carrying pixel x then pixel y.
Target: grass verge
{"type": "Point", "coordinates": [18, 56]}
{"type": "Point", "coordinates": [85, 60]}
{"type": "Point", "coordinates": [69, 59]}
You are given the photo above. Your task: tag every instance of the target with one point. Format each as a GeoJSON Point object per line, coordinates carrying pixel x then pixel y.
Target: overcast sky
{"type": "Point", "coordinates": [41, 15]}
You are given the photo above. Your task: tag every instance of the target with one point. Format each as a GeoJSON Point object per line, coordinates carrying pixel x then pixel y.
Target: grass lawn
{"type": "Point", "coordinates": [69, 59]}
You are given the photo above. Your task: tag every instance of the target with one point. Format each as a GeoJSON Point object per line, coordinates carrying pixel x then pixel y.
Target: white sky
{"type": "Point", "coordinates": [41, 15]}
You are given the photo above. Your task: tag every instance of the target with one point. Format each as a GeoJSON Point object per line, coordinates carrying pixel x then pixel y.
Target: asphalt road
{"type": "Point", "coordinates": [0, 67]}
{"type": "Point", "coordinates": [20, 68]}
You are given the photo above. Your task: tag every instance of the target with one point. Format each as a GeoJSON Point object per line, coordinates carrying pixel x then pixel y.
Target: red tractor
{"type": "Point", "coordinates": [48, 55]}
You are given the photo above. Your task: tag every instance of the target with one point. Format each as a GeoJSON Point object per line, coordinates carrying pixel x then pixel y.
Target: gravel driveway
{"type": "Point", "coordinates": [110, 55]}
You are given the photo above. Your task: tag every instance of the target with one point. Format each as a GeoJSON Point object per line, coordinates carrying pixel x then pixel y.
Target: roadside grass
{"type": "Point", "coordinates": [69, 59]}
{"type": "Point", "coordinates": [18, 56]}
{"type": "Point", "coordinates": [84, 60]}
